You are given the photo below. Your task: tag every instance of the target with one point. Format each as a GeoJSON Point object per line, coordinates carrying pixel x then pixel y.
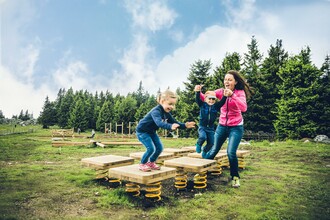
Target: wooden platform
{"type": "Point", "coordinates": [239, 153]}
{"type": "Point", "coordinates": [132, 173]}
{"type": "Point", "coordinates": [178, 152]}
{"type": "Point", "coordinates": [107, 161]}
{"type": "Point", "coordinates": [191, 149]}
{"type": "Point", "coordinates": [219, 156]}
{"type": "Point", "coordinates": [163, 156]}
{"type": "Point", "coordinates": [190, 164]}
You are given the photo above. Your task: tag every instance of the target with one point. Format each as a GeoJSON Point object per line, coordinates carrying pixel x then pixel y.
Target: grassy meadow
{"type": "Point", "coordinates": [282, 180]}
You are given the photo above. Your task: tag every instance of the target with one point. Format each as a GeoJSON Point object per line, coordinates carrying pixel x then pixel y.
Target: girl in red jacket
{"type": "Point", "coordinates": [231, 121]}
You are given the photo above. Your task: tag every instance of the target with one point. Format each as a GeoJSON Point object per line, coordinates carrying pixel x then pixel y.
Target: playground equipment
{"type": "Point", "coordinates": [189, 164]}
{"type": "Point", "coordinates": [151, 180]}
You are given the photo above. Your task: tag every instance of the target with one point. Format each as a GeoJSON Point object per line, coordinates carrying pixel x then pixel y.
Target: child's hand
{"type": "Point", "coordinates": [190, 124]}
{"type": "Point", "coordinates": [175, 126]}
{"type": "Point", "coordinates": [198, 88]}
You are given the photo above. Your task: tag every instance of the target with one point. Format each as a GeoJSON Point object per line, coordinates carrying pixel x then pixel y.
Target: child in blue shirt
{"type": "Point", "coordinates": [209, 109]}
{"type": "Point", "coordinates": [158, 117]}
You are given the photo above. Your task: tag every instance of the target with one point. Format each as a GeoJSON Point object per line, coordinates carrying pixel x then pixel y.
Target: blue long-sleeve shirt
{"type": "Point", "coordinates": [208, 113]}
{"type": "Point", "coordinates": [157, 118]}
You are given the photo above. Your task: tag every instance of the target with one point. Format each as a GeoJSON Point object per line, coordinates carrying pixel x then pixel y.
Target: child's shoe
{"type": "Point", "coordinates": [235, 182]}
{"type": "Point", "coordinates": [198, 148]}
{"type": "Point", "coordinates": [153, 166]}
{"type": "Point", "coordinates": [144, 167]}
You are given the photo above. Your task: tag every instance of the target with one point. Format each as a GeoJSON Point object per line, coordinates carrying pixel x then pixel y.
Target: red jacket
{"type": "Point", "coordinates": [231, 111]}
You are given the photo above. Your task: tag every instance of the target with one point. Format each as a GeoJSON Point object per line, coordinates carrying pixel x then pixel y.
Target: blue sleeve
{"type": "Point", "coordinates": [157, 117]}
{"type": "Point", "coordinates": [219, 104]}
{"type": "Point", "coordinates": [198, 99]}
{"type": "Point", "coordinates": [171, 120]}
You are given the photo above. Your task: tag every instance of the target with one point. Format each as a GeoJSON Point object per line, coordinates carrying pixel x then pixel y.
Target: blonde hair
{"type": "Point", "coordinates": [167, 94]}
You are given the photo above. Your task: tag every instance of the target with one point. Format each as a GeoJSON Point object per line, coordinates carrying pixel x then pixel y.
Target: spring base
{"type": "Point", "coordinates": [181, 179]}
{"type": "Point", "coordinates": [133, 188]}
{"type": "Point", "coordinates": [217, 170]}
{"type": "Point", "coordinates": [153, 190]}
{"type": "Point", "coordinates": [200, 180]}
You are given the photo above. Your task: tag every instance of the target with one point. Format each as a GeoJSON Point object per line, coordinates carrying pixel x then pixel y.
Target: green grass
{"type": "Point", "coordinates": [283, 180]}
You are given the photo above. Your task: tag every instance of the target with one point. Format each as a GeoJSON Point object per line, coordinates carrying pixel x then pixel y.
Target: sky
{"type": "Point", "coordinates": [113, 45]}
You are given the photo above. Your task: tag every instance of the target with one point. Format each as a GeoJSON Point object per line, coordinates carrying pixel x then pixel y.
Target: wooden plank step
{"type": "Point", "coordinates": [219, 156]}
{"type": "Point", "coordinates": [191, 164]}
{"type": "Point", "coordinates": [107, 161]}
{"type": "Point", "coordinates": [239, 153]}
{"type": "Point", "coordinates": [191, 149]}
{"type": "Point", "coordinates": [163, 156]}
{"type": "Point", "coordinates": [178, 152]}
{"type": "Point", "coordinates": [133, 174]}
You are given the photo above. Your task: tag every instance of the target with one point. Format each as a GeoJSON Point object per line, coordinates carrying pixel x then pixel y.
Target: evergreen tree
{"type": "Point", "coordinates": [46, 117]}
{"type": "Point", "coordinates": [78, 118]}
{"type": "Point", "coordinates": [64, 110]}
{"type": "Point", "coordinates": [322, 105]}
{"type": "Point", "coordinates": [270, 67]}
{"type": "Point", "coordinates": [106, 115]}
{"type": "Point", "coordinates": [230, 62]}
{"type": "Point", "coordinates": [298, 94]}
{"type": "Point", "coordinates": [125, 110]}
{"type": "Point", "coordinates": [254, 118]}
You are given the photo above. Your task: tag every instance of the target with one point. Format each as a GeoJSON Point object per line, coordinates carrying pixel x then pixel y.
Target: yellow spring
{"type": "Point", "coordinates": [181, 180]}
{"type": "Point", "coordinates": [225, 162]}
{"type": "Point", "coordinates": [153, 190]}
{"type": "Point", "coordinates": [200, 180]}
{"type": "Point", "coordinates": [133, 188]}
{"type": "Point", "coordinates": [217, 170]}
{"type": "Point", "coordinates": [241, 163]}
{"type": "Point", "coordinates": [100, 174]}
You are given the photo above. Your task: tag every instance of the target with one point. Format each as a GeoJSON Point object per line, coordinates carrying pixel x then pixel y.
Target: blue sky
{"type": "Point", "coordinates": [99, 45]}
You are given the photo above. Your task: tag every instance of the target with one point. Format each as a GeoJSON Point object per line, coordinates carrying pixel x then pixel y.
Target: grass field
{"type": "Point", "coordinates": [282, 180]}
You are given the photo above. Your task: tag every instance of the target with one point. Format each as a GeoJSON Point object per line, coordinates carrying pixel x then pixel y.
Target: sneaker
{"type": "Point", "coordinates": [153, 166]}
{"type": "Point", "coordinates": [198, 148]}
{"type": "Point", "coordinates": [204, 154]}
{"type": "Point", "coordinates": [235, 182]}
{"type": "Point", "coordinates": [144, 167]}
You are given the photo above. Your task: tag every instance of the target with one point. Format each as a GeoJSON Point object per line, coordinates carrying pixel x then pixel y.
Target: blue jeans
{"type": "Point", "coordinates": [234, 135]}
{"type": "Point", "coordinates": [153, 144]}
{"type": "Point", "coordinates": [205, 134]}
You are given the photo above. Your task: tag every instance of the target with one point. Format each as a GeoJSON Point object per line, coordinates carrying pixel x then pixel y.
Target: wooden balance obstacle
{"type": "Point", "coordinates": [178, 152]}
{"type": "Point", "coordinates": [241, 155]}
{"type": "Point", "coordinates": [102, 163]}
{"type": "Point", "coordinates": [221, 158]}
{"type": "Point", "coordinates": [189, 164]}
{"type": "Point", "coordinates": [163, 156]}
{"type": "Point", "coordinates": [134, 176]}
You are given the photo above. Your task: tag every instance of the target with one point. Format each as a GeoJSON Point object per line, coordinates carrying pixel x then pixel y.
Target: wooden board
{"type": "Point", "coordinates": [191, 164]}
{"type": "Point", "coordinates": [178, 152]}
{"type": "Point", "coordinates": [107, 161]}
{"type": "Point", "coordinates": [133, 174]}
{"type": "Point", "coordinates": [239, 153]}
{"type": "Point", "coordinates": [191, 149]}
{"type": "Point", "coordinates": [68, 143]}
{"type": "Point", "coordinates": [163, 156]}
{"type": "Point", "coordinates": [219, 156]}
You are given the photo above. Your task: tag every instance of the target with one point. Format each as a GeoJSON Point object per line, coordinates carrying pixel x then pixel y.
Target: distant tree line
{"type": "Point", "coordinates": [291, 96]}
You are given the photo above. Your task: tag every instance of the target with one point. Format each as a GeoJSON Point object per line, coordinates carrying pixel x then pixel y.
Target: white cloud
{"type": "Point", "coordinates": [212, 44]}
{"type": "Point", "coordinates": [17, 96]}
{"type": "Point", "coordinates": [136, 66]}
{"type": "Point", "coordinates": [152, 15]}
